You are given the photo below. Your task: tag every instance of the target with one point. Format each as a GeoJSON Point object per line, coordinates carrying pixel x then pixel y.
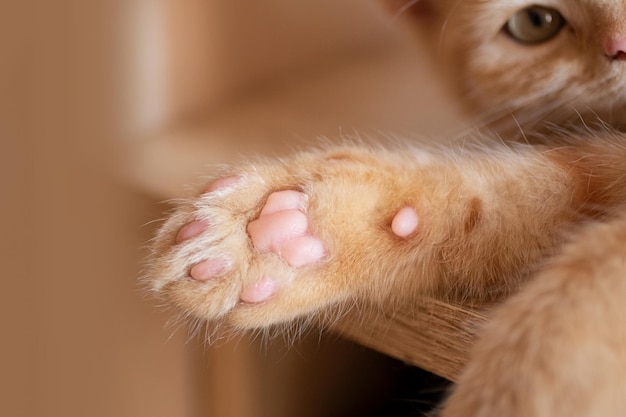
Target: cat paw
{"type": "Point", "coordinates": [242, 252]}
{"type": "Point", "coordinates": [272, 242]}
{"type": "Point", "coordinates": [281, 228]}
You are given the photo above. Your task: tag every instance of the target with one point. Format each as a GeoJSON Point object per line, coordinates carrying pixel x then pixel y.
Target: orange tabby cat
{"type": "Point", "coordinates": [272, 241]}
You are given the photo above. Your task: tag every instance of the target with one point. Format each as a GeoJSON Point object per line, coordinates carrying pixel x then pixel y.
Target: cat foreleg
{"type": "Point", "coordinates": [272, 241]}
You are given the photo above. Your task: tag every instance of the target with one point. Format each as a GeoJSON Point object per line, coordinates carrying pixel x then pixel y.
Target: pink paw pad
{"type": "Point", "coordinates": [282, 228]}
{"type": "Point", "coordinates": [259, 291]}
{"type": "Point", "coordinates": [221, 183]}
{"type": "Point", "coordinates": [405, 222]}
{"type": "Point", "coordinates": [191, 230]}
{"type": "Point", "coordinates": [208, 269]}
{"type": "Point", "coordinates": [197, 227]}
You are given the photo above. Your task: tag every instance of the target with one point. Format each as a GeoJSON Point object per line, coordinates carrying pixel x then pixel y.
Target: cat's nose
{"type": "Point", "coordinates": [615, 48]}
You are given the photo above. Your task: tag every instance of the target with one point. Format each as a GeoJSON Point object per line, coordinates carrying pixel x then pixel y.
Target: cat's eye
{"type": "Point", "coordinates": [535, 24]}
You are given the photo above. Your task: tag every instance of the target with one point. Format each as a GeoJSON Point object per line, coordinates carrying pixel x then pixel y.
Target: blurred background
{"type": "Point", "coordinates": [110, 108]}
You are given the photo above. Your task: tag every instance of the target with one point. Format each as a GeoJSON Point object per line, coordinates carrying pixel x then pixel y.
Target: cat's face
{"type": "Point", "coordinates": [548, 60]}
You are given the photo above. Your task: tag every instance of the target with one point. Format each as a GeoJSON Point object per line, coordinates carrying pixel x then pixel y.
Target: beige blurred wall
{"type": "Point", "coordinates": [78, 338]}
{"type": "Point", "coordinates": [92, 137]}
{"type": "Point", "coordinates": [202, 54]}
{"type": "Point", "coordinates": [222, 79]}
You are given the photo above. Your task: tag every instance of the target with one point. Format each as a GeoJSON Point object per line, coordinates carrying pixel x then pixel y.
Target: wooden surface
{"type": "Point", "coordinates": [433, 335]}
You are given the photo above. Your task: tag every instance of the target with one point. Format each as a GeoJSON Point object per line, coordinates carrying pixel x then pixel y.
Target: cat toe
{"type": "Point", "coordinates": [208, 269]}
{"type": "Point", "coordinates": [259, 291]}
{"type": "Point", "coordinates": [190, 230]}
{"type": "Point", "coordinates": [222, 183]}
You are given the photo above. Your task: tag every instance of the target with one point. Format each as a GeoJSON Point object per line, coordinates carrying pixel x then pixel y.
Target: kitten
{"type": "Point", "coordinates": [272, 241]}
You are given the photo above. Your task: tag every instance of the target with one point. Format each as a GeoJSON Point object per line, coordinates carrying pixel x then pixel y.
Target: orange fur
{"type": "Point", "coordinates": [490, 216]}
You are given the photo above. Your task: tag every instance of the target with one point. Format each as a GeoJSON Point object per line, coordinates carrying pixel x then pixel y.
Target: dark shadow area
{"type": "Point", "coordinates": [333, 377]}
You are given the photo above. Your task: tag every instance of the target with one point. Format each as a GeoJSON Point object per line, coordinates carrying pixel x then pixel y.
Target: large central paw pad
{"type": "Point", "coordinates": [283, 228]}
